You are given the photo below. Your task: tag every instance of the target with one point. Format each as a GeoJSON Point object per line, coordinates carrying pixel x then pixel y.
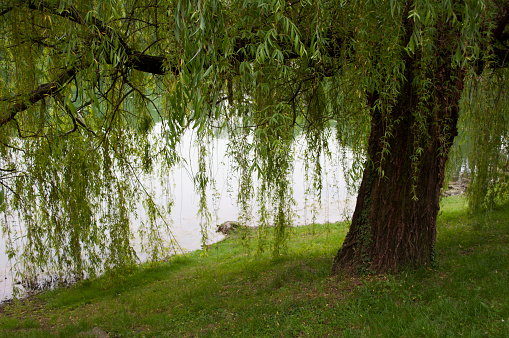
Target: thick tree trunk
{"type": "Point", "coordinates": [394, 223]}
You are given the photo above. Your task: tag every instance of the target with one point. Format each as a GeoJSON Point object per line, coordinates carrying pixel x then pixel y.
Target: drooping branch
{"type": "Point", "coordinates": [138, 61]}
{"type": "Point", "coordinates": [71, 13]}
{"type": "Point", "coordinates": [150, 64]}
{"type": "Point", "coordinates": [135, 59]}
{"type": "Point", "coordinates": [23, 102]}
{"type": "Point", "coordinates": [159, 65]}
{"type": "Point", "coordinates": [4, 11]}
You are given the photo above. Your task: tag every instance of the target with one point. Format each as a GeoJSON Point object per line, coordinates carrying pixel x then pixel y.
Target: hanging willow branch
{"type": "Point", "coordinates": [139, 61]}
{"type": "Point", "coordinates": [159, 65]}
{"type": "Point", "coordinates": [285, 68]}
{"type": "Point", "coordinates": [24, 101]}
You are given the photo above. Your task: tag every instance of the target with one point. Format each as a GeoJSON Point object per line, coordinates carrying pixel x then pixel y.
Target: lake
{"type": "Point", "coordinates": [336, 203]}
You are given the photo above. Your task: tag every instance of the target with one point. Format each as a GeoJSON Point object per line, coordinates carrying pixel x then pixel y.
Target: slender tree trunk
{"type": "Point", "coordinates": [394, 223]}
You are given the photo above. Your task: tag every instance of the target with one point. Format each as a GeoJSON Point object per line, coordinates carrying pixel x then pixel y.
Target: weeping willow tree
{"type": "Point", "coordinates": [480, 152]}
{"type": "Point", "coordinates": [83, 82]}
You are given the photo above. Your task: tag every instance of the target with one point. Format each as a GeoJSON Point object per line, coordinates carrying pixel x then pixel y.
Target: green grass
{"type": "Point", "coordinates": [231, 291]}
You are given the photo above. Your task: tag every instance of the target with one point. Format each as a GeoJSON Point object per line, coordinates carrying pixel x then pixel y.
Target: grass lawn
{"type": "Point", "coordinates": [232, 291]}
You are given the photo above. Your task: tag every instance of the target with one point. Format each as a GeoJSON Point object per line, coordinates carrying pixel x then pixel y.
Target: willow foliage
{"type": "Point", "coordinates": [84, 82]}
{"type": "Point", "coordinates": [481, 150]}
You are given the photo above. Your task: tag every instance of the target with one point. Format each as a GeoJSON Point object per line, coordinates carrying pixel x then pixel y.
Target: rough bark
{"type": "Point", "coordinates": [393, 226]}
{"type": "Point", "coordinates": [394, 223]}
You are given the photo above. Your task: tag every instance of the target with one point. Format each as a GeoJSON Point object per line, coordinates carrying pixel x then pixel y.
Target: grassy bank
{"type": "Point", "coordinates": [230, 291]}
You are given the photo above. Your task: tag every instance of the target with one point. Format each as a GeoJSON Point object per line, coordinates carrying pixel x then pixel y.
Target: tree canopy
{"type": "Point", "coordinates": [83, 82]}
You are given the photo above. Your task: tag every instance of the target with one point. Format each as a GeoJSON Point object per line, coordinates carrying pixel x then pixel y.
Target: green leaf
{"type": "Point", "coordinates": [72, 107]}
{"type": "Point", "coordinates": [2, 197]}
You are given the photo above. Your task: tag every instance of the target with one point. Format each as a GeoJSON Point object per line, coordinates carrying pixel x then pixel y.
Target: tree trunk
{"type": "Point", "coordinates": [394, 223]}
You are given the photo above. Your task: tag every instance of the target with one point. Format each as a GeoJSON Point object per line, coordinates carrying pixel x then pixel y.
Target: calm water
{"type": "Point", "coordinates": [336, 205]}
